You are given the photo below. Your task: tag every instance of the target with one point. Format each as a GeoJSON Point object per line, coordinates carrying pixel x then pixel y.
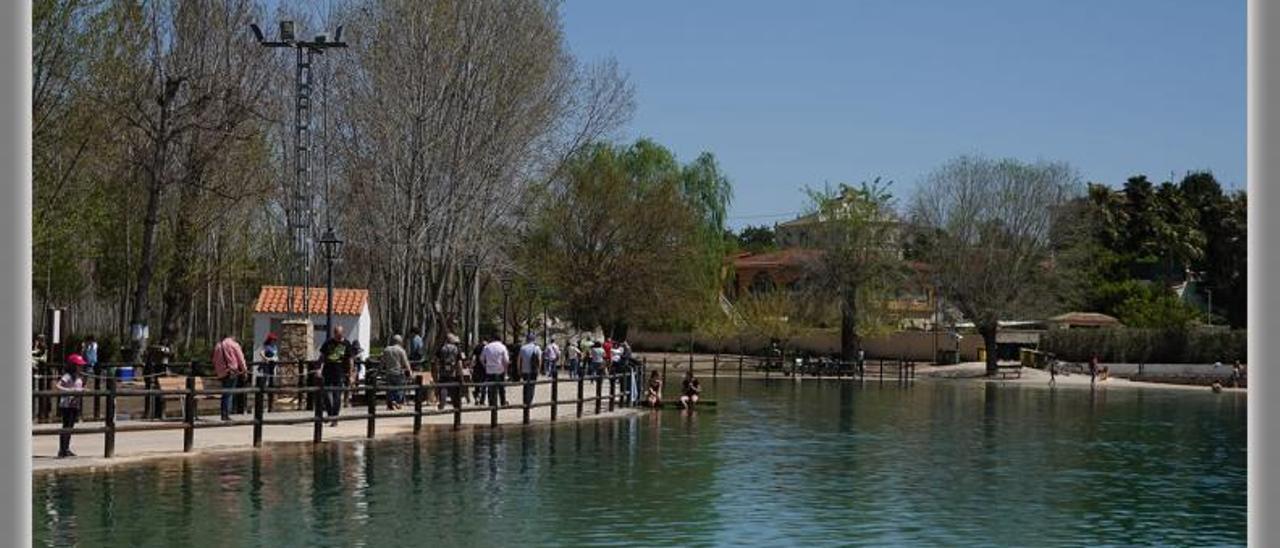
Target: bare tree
{"type": "Point", "coordinates": [989, 222]}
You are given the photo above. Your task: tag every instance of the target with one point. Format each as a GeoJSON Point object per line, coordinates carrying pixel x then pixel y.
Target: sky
{"type": "Point", "coordinates": [795, 94]}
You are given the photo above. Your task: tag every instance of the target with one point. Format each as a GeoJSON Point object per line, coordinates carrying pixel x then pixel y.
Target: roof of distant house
{"type": "Point", "coordinates": [1085, 319]}
{"type": "Point", "coordinates": [274, 299]}
{"type": "Point", "coordinates": [794, 256]}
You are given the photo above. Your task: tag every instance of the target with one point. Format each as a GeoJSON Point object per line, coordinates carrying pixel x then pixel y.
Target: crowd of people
{"type": "Point", "coordinates": [474, 378]}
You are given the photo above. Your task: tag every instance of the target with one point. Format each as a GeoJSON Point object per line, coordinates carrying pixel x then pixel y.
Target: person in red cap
{"type": "Point", "coordinates": [70, 384]}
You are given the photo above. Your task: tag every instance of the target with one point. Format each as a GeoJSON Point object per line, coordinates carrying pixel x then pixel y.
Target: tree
{"type": "Point", "coordinates": [860, 263]}
{"type": "Point", "coordinates": [994, 217]}
{"type": "Point", "coordinates": [618, 239]}
{"type": "Point", "coordinates": [770, 315]}
{"type": "Point", "coordinates": [757, 239]}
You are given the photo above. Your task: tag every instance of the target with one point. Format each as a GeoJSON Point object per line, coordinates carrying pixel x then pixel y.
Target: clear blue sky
{"type": "Point", "coordinates": [788, 94]}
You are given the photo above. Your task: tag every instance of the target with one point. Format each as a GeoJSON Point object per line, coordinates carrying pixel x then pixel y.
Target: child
{"type": "Point", "coordinates": [654, 393]}
{"type": "Point", "coordinates": [71, 382]}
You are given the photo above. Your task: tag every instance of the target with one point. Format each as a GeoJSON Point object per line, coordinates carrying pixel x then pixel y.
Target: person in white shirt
{"type": "Point", "coordinates": [551, 358]}
{"type": "Point", "coordinates": [496, 359]}
{"type": "Point", "coordinates": [530, 355]}
{"type": "Point", "coordinates": [575, 360]}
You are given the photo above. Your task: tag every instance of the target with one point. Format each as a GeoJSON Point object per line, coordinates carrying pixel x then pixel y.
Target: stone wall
{"type": "Point", "coordinates": [296, 343]}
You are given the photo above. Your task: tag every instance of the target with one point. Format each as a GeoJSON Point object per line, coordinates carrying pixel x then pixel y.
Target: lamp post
{"type": "Point", "coordinates": [330, 246]}
{"type": "Point", "coordinates": [298, 205]}
{"type": "Point", "coordinates": [505, 281]}
{"type": "Point", "coordinates": [533, 294]}
{"type": "Point", "coordinates": [469, 267]}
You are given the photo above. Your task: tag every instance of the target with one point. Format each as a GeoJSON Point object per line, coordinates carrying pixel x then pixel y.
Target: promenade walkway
{"type": "Point", "coordinates": [138, 446]}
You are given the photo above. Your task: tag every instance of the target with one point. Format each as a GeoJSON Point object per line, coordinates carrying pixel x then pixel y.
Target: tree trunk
{"type": "Point", "coordinates": [849, 341]}
{"type": "Point", "coordinates": [147, 269]}
{"type": "Point", "coordinates": [988, 332]}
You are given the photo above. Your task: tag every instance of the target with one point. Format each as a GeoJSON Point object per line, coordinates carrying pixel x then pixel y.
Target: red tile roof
{"type": "Point", "coordinates": [274, 299]}
{"type": "Point", "coordinates": [786, 257]}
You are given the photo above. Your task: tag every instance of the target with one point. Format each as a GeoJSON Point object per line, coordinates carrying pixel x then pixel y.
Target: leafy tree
{"type": "Point", "coordinates": [860, 263]}
{"type": "Point", "coordinates": [994, 218]}
{"type": "Point", "coordinates": [757, 239]}
{"type": "Point", "coordinates": [619, 239]}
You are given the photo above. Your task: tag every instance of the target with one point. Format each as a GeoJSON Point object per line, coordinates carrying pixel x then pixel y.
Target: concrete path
{"type": "Point", "coordinates": [133, 447]}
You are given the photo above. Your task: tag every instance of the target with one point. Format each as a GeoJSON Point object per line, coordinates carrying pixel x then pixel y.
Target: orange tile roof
{"type": "Point", "coordinates": [274, 299]}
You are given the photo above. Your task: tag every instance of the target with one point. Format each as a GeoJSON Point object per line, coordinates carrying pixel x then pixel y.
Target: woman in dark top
{"type": "Point", "coordinates": [689, 394]}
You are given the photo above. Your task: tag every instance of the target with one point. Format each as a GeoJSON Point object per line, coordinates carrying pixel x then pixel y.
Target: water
{"type": "Point", "coordinates": [937, 463]}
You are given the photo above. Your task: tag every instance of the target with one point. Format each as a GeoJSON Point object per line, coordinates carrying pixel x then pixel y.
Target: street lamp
{"type": "Point", "coordinates": [469, 267]}
{"type": "Point", "coordinates": [299, 203]}
{"type": "Point", "coordinates": [330, 246]}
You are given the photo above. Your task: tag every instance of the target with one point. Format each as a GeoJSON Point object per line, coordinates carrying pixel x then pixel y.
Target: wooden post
{"type": "Point", "coordinates": [580, 377]}
{"type": "Point", "coordinates": [528, 383]}
{"type": "Point", "coordinates": [740, 360]}
{"type": "Point", "coordinates": [97, 399]}
{"type": "Point", "coordinates": [417, 404]}
{"type": "Point", "coordinates": [493, 405]}
{"type": "Point", "coordinates": [715, 366]}
{"type": "Point", "coordinates": [317, 405]}
{"type": "Point", "coordinates": [555, 392]}
{"type": "Point", "coordinates": [599, 390]}
{"type": "Point", "coordinates": [371, 394]}
{"type": "Point", "coordinates": [664, 371]}
{"type": "Point", "coordinates": [613, 383]}
{"type": "Point", "coordinates": [189, 415]}
{"type": "Point", "coordinates": [881, 369]}
{"type": "Point", "coordinates": [259, 395]}
{"type": "Point", "coordinates": [457, 409]}
{"type": "Point", "coordinates": [109, 442]}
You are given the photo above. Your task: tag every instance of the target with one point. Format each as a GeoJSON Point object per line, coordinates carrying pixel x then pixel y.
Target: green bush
{"type": "Point", "coordinates": [1124, 345]}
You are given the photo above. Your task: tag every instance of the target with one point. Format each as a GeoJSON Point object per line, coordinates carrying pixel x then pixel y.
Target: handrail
{"type": "Point", "coordinates": [370, 391]}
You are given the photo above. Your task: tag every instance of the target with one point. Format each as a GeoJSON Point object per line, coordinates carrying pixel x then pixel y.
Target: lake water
{"type": "Point", "coordinates": [775, 463]}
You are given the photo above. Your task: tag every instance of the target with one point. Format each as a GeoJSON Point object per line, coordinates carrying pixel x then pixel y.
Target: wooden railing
{"type": "Point", "coordinates": [418, 391]}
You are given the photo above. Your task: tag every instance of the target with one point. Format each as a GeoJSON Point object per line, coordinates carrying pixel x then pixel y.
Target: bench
{"type": "Point", "coordinates": [1004, 370]}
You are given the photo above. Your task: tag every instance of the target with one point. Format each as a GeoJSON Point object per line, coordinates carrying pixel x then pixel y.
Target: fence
{"type": "Point", "coordinates": [899, 370]}
{"type": "Point", "coordinates": [261, 391]}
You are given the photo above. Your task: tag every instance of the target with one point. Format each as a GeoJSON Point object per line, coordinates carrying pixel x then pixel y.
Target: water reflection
{"type": "Point", "coordinates": [787, 463]}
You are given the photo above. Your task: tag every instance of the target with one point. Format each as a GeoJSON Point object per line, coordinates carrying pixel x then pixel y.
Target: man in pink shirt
{"type": "Point", "coordinates": [229, 366]}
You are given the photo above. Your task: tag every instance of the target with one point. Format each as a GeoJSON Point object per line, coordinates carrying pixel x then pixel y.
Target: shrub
{"type": "Point", "coordinates": [1125, 345]}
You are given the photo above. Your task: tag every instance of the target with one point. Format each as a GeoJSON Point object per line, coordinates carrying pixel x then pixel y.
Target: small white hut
{"type": "Point", "coordinates": [350, 310]}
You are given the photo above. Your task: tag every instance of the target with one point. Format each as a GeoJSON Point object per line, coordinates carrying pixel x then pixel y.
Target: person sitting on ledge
{"type": "Point", "coordinates": [692, 388]}
{"type": "Point", "coordinates": [654, 393]}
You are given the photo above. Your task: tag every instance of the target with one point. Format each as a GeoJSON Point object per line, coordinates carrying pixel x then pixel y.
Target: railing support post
{"type": "Point", "coordinates": [493, 403]}
{"type": "Point", "coordinates": [317, 394]}
{"type": "Point", "coordinates": [555, 392]}
{"type": "Point", "coordinates": [109, 442]}
{"type": "Point", "coordinates": [189, 415]}
{"type": "Point", "coordinates": [417, 404]}
{"type": "Point", "coordinates": [97, 399]}
{"type": "Point", "coordinates": [715, 365]}
{"type": "Point", "coordinates": [371, 394]}
{"type": "Point", "coordinates": [599, 390]}
{"type": "Point", "coordinates": [580, 380]}
{"type": "Point", "coordinates": [613, 387]}
{"type": "Point", "coordinates": [259, 405]}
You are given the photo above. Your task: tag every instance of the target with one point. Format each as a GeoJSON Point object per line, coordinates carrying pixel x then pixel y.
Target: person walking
{"type": "Point", "coordinates": [89, 351]}
{"type": "Point", "coordinates": [156, 366]}
{"type": "Point", "coordinates": [70, 385]}
{"type": "Point", "coordinates": [229, 367]}
{"type": "Point", "coordinates": [417, 350]}
{"type": "Point", "coordinates": [597, 361]}
{"type": "Point", "coordinates": [337, 357]}
{"type": "Point", "coordinates": [1093, 369]}
{"type": "Point", "coordinates": [530, 355]}
{"type": "Point", "coordinates": [394, 370]}
{"type": "Point", "coordinates": [449, 369]}
{"type": "Point", "coordinates": [478, 375]}
{"type": "Point", "coordinates": [496, 361]}
{"type": "Point", "coordinates": [265, 366]}
{"type": "Point", "coordinates": [575, 360]}
{"type": "Point", "coordinates": [551, 358]}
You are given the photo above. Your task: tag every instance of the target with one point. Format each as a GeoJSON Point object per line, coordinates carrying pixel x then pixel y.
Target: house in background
{"type": "Point", "coordinates": [350, 310]}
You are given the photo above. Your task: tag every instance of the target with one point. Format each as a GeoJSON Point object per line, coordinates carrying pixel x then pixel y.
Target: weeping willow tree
{"type": "Point", "coordinates": [627, 235]}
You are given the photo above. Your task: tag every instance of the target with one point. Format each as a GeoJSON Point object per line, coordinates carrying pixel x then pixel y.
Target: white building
{"type": "Point", "coordinates": [350, 310]}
